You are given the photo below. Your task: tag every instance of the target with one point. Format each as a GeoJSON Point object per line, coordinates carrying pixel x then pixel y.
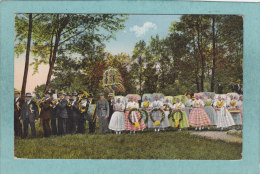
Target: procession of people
{"type": "Point", "coordinates": [62, 114]}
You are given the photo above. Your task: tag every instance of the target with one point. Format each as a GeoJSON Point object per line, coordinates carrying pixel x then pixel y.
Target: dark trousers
{"type": "Point", "coordinates": [26, 123]}
{"type": "Point", "coordinates": [81, 123]}
{"type": "Point", "coordinates": [62, 126]}
{"type": "Point", "coordinates": [72, 124]}
{"type": "Point", "coordinates": [53, 126]}
{"type": "Point", "coordinates": [17, 127]}
{"type": "Point", "coordinates": [92, 126]}
{"type": "Point", "coordinates": [46, 127]}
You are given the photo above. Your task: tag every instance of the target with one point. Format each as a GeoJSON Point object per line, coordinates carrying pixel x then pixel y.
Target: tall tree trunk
{"type": "Point", "coordinates": [197, 66]}
{"type": "Point", "coordinates": [202, 58]}
{"type": "Point", "coordinates": [214, 55]}
{"type": "Point", "coordinates": [52, 61]}
{"type": "Point", "coordinates": [55, 49]}
{"type": "Point", "coordinates": [26, 67]}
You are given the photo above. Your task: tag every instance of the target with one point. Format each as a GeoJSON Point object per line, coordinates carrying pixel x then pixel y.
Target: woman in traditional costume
{"type": "Point", "coordinates": [168, 106]}
{"type": "Point", "coordinates": [224, 118]}
{"type": "Point", "coordinates": [208, 103]}
{"type": "Point", "coordinates": [157, 114]}
{"type": "Point", "coordinates": [179, 116]}
{"type": "Point", "coordinates": [145, 105]}
{"type": "Point", "coordinates": [198, 118]}
{"type": "Point", "coordinates": [188, 105]}
{"type": "Point", "coordinates": [233, 108]}
{"type": "Point", "coordinates": [117, 122]}
{"type": "Point", "coordinates": [133, 121]}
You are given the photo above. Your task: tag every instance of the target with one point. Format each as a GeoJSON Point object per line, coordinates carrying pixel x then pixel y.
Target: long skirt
{"type": "Point", "coordinates": [198, 118]}
{"type": "Point", "coordinates": [224, 118]}
{"type": "Point", "coordinates": [183, 123]}
{"type": "Point", "coordinates": [157, 116]}
{"type": "Point", "coordinates": [241, 113]}
{"type": "Point", "coordinates": [145, 119]}
{"type": "Point", "coordinates": [117, 122]}
{"type": "Point", "coordinates": [237, 118]}
{"type": "Point", "coordinates": [188, 110]}
{"type": "Point", "coordinates": [135, 116]}
{"type": "Point", "coordinates": [210, 111]}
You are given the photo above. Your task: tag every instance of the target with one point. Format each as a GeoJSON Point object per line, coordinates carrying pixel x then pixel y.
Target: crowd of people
{"type": "Point", "coordinates": [62, 114]}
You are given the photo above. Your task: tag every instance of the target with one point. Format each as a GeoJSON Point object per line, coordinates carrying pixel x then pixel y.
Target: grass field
{"type": "Point", "coordinates": [146, 145]}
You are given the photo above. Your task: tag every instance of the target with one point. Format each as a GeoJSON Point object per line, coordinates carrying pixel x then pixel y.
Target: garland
{"type": "Point", "coordinates": [156, 123]}
{"type": "Point", "coordinates": [173, 119]}
{"type": "Point", "coordinates": [220, 104]}
{"type": "Point", "coordinates": [141, 116]}
{"type": "Point", "coordinates": [146, 115]}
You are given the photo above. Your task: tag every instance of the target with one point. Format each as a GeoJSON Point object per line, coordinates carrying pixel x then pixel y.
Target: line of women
{"type": "Point", "coordinates": [159, 112]}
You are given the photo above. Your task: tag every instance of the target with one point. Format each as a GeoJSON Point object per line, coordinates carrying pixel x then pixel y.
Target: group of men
{"type": "Point", "coordinates": [60, 113]}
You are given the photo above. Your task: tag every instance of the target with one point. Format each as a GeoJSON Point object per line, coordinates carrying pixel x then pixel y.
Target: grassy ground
{"type": "Point", "coordinates": [146, 145]}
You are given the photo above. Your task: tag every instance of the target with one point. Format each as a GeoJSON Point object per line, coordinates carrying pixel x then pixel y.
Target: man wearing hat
{"type": "Point", "coordinates": [45, 114]}
{"type": "Point", "coordinates": [74, 114]}
{"type": "Point", "coordinates": [111, 105]}
{"type": "Point", "coordinates": [54, 115]}
{"type": "Point", "coordinates": [102, 112]}
{"type": "Point", "coordinates": [62, 114]}
{"type": "Point", "coordinates": [81, 121]}
{"type": "Point", "coordinates": [91, 114]}
{"type": "Point", "coordinates": [29, 115]}
{"type": "Point", "coordinates": [17, 113]}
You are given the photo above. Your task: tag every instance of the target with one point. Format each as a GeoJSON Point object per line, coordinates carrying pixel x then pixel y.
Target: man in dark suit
{"type": "Point", "coordinates": [111, 106]}
{"type": "Point", "coordinates": [45, 114]}
{"type": "Point", "coordinates": [29, 115]}
{"type": "Point", "coordinates": [74, 114]}
{"type": "Point", "coordinates": [91, 115]}
{"type": "Point", "coordinates": [54, 114]}
{"type": "Point", "coordinates": [62, 114]}
{"type": "Point", "coordinates": [17, 114]}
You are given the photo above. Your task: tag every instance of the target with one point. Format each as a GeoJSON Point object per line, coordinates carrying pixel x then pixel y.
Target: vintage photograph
{"type": "Point", "coordinates": [128, 86]}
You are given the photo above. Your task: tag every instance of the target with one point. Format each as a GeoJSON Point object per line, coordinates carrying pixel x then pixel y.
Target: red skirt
{"type": "Point", "coordinates": [129, 126]}
{"type": "Point", "coordinates": [198, 118]}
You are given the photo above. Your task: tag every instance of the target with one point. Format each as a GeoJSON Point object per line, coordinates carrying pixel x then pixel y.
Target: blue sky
{"type": "Point", "coordinates": [140, 27]}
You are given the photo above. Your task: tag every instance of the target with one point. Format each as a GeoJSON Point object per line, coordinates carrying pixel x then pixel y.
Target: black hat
{"type": "Point", "coordinates": [74, 94]}
{"type": "Point", "coordinates": [67, 94]}
{"type": "Point", "coordinates": [28, 95]}
{"type": "Point", "coordinates": [90, 96]}
{"type": "Point", "coordinates": [80, 92]}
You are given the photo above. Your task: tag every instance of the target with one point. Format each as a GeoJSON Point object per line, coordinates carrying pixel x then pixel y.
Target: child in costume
{"type": "Point", "coordinates": [208, 103]}
{"type": "Point", "coordinates": [183, 123]}
{"type": "Point", "coordinates": [145, 105]}
{"type": "Point", "coordinates": [224, 118]}
{"type": "Point", "coordinates": [198, 118]}
{"type": "Point", "coordinates": [117, 122]}
{"type": "Point", "coordinates": [168, 106]}
{"type": "Point", "coordinates": [188, 105]}
{"type": "Point", "coordinates": [156, 115]}
{"type": "Point", "coordinates": [135, 116]}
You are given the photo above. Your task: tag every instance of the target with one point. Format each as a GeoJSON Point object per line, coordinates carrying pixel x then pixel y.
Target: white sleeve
{"type": "Point", "coordinates": [142, 104]}
{"type": "Point", "coordinates": [136, 105]}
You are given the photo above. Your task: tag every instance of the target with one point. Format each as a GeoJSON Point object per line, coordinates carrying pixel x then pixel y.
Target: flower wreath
{"type": "Point", "coordinates": [136, 124]}
{"type": "Point", "coordinates": [170, 109]}
{"type": "Point", "coordinates": [145, 113]}
{"type": "Point", "coordinates": [173, 119]}
{"type": "Point", "coordinates": [156, 123]}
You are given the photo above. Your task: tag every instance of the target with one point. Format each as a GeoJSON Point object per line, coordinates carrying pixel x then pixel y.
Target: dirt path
{"type": "Point", "coordinates": [216, 135]}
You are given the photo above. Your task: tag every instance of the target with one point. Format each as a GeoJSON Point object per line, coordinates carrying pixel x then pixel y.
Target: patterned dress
{"type": "Point", "coordinates": [233, 105]}
{"type": "Point", "coordinates": [198, 116]}
{"type": "Point", "coordinates": [177, 116]}
{"type": "Point", "coordinates": [135, 116]}
{"type": "Point", "coordinates": [210, 111]}
{"type": "Point", "coordinates": [224, 118]}
{"type": "Point", "coordinates": [240, 106]}
{"type": "Point", "coordinates": [188, 107]}
{"type": "Point", "coordinates": [157, 116]}
{"type": "Point", "coordinates": [117, 122]}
